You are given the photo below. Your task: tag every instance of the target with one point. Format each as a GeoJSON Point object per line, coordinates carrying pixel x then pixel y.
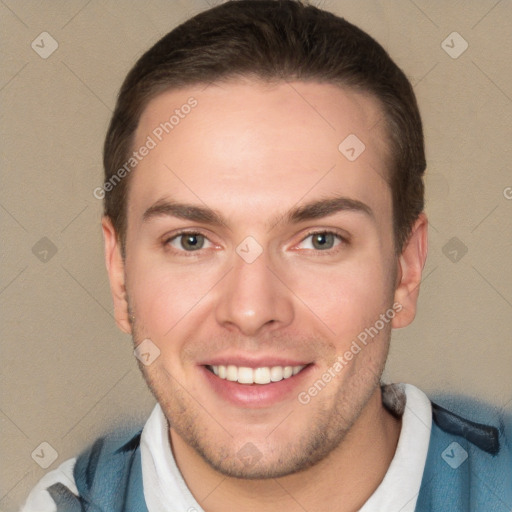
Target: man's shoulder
{"type": "Point", "coordinates": [118, 443]}
{"type": "Point", "coordinates": [105, 469]}
{"type": "Point", "coordinates": [109, 473]}
{"type": "Point", "coordinates": [469, 462]}
{"type": "Point", "coordinates": [39, 499]}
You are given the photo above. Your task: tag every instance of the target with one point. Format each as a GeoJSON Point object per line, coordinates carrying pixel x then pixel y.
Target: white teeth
{"type": "Point", "coordinates": [232, 373]}
{"type": "Point", "coordinates": [245, 375]}
{"type": "Point", "coordinates": [287, 372]}
{"type": "Point", "coordinates": [276, 373]}
{"type": "Point", "coordinates": [264, 375]}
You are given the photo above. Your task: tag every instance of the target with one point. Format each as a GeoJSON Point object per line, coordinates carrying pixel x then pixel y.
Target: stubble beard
{"type": "Point", "coordinates": [201, 429]}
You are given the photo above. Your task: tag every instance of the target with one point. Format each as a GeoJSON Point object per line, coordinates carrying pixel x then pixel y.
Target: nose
{"type": "Point", "coordinates": [253, 298]}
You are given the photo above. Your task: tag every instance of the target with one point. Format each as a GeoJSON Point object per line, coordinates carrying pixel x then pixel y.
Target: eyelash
{"type": "Point", "coordinates": [343, 241]}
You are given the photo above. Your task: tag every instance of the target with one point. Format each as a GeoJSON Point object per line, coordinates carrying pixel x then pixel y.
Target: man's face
{"type": "Point", "coordinates": [295, 262]}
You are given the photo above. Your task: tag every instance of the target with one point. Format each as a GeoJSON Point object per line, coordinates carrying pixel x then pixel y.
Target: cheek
{"type": "Point", "coordinates": [163, 296]}
{"type": "Point", "coordinates": [347, 298]}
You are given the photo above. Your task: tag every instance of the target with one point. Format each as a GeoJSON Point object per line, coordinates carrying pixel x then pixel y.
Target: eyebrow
{"type": "Point", "coordinates": [164, 208]}
{"type": "Point", "coordinates": [325, 207]}
{"type": "Point", "coordinates": [309, 211]}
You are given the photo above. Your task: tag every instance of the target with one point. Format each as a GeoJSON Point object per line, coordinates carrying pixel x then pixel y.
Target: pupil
{"type": "Point", "coordinates": [193, 242]}
{"type": "Point", "coordinates": [323, 241]}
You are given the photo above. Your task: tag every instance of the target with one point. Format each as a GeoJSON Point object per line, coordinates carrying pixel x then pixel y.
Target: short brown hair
{"type": "Point", "coordinates": [273, 40]}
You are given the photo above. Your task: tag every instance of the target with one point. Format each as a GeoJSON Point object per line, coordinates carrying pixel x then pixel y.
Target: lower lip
{"type": "Point", "coordinates": [257, 395]}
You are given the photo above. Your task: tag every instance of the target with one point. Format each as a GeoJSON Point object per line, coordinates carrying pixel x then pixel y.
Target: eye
{"type": "Point", "coordinates": [188, 242]}
{"type": "Point", "coordinates": [322, 241]}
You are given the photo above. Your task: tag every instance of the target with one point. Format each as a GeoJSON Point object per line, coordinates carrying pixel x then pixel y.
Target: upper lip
{"type": "Point", "coordinates": [254, 362]}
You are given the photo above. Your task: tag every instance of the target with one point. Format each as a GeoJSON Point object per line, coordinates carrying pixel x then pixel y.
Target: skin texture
{"type": "Point", "coordinates": [252, 152]}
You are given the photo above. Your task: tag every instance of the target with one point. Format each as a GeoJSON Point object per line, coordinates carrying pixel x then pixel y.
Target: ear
{"type": "Point", "coordinates": [115, 268]}
{"type": "Point", "coordinates": [410, 267]}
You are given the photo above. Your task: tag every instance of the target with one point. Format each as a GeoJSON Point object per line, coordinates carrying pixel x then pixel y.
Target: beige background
{"type": "Point", "coordinates": [67, 373]}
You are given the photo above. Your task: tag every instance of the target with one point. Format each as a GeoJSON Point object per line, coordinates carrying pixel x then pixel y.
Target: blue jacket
{"type": "Point", "coordinates": [468, 469]}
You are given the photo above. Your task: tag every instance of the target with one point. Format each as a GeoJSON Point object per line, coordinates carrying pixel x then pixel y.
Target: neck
{"type": "Point", "coordinates": [354, 469]}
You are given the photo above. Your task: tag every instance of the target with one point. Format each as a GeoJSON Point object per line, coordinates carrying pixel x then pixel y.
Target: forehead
{"type": "Point", "coordinates": [244, 143]}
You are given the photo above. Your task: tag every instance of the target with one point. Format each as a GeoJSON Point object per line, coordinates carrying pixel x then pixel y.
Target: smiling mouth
{"type": "Point", "coordinates": [263, 375]}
